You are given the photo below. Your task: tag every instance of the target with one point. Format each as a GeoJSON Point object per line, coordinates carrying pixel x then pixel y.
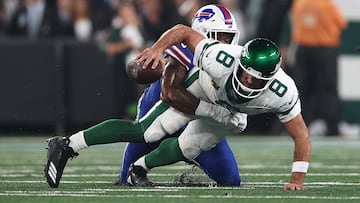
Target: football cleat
{"type": "Point", "coordinates": [137, 176]}
{"type": "Point", "coordinates": [57, 156]}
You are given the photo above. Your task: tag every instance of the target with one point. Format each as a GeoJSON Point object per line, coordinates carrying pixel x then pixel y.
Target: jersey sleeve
{"type": "Point", "coordinates": [210, 56]}
{"type": "Point", "coordinates": [182, 54]}
{"type": "Point", "coordinates": [203, 54]}
{"type": "Point", "coordinates": [290, 105]}
{"type": "Point", "coordinates": [293, 109]}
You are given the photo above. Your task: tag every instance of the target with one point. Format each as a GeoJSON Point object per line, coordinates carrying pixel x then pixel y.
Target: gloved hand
{"type": "Point", "coordinates": [239, 121]}
{"type": "Point", "coordinates": [216, 112]}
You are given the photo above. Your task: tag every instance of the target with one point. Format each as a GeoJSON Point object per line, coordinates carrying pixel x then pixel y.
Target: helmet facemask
{"type": "Point", "coordinates": [242, 89]}
{"type": "Point", "coordinates": [226, 37]}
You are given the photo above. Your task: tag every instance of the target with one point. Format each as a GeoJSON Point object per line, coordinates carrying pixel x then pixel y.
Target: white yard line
{"type": "Point", "coordinates": [72, 169]}
{"type": "Point", "coordinates": [260, 184]}
{"type": "Point", "coordinates": [153, 192]}
{"type": "Point", "coordinates": [175, 174]}
{"type": "Point", "coordinates": [99, 195]}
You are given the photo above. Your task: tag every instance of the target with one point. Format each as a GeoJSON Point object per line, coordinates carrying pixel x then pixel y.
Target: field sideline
{"type": "Point", "coordinates": [264, 162]}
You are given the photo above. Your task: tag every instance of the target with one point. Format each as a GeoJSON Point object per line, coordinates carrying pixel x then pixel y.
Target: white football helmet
{"type": "Point", "coordinates": [211, 20]}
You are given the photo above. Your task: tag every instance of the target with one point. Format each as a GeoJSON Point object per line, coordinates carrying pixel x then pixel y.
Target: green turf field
{"type": "Point", "coordinates": [264, 162]}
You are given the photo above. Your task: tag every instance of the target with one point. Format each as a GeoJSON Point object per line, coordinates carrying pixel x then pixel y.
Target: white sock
{"type": "Point", "coordinates": [77, 141]}
{"type": "Point", "coordinates": [141, 162]}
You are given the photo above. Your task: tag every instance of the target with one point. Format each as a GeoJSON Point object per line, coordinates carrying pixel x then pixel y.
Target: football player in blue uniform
{"type": "Point", "coordinates": [219, 163]}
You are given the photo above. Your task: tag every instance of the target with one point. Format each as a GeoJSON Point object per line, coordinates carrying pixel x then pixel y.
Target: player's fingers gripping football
{"type": "Point", "coordinates": [142, 56]}
{"type": "Point", "coordinates": [239, 120]}
{"type": "Point", "coordinates": [153, 56]}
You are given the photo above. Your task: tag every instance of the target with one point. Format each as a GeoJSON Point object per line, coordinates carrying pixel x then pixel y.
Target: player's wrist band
{"type": "Point", "coordinates": [300, 166]}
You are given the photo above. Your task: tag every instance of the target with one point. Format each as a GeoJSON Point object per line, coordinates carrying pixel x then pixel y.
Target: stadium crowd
{"type": "Point", "coordinates": [90, 19]}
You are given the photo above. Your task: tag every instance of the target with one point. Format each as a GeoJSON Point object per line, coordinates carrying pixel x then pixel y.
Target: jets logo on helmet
{"type": "Point", "coordinates": [212, 20]}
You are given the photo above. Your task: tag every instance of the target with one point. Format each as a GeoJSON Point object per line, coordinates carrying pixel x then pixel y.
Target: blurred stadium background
{"type": "Point", "coordinates": [59, 82]}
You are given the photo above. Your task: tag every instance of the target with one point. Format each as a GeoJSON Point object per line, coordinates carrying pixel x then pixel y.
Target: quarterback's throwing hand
{"type": "Point", "coordinates": [151, 55]}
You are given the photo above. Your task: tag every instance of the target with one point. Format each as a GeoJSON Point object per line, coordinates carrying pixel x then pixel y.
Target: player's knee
{"type": "Point", "coordinates": [226, 174]}
{"type": "Point", "coordinates": [153, 137]}
{"type": "Point", "coordinates": [232, 180]}
{"type": "Point", "coordinates": [189, 151]}
{"type": "Point", "coordinates": [154, 133]}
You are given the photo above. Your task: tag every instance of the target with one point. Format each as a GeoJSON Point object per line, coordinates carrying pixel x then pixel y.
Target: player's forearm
{"type": "Point", "coordinates": [177, 34]}
{"type": "Point", "coordinates": [173, 92]}
{"type": "Point", "coordinates": [302, 144]}
{"type": "Point", "coordinates": [300, 163]}
{"type": "Point", "coordinates": [302, 152]}
{"type": "Point", "coordinates": [182, 100]}
{"type": "Point", "coordinates": [301, 158]}
{"type": "Point", "coordinates": [173, 36]}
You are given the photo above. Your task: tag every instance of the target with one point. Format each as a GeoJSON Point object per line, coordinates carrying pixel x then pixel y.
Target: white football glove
{"type": "Point", "coordinates": [216, 112]}
{"type": "Point", "coordinates": [239, 121]}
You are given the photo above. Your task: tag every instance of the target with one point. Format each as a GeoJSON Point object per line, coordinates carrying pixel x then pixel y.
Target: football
{"type": "Point", "coordinates": [143, 76]}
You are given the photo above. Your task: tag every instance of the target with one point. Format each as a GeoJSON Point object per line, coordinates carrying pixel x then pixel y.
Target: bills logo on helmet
{"type": "Point", "coordinates": [205, 14]}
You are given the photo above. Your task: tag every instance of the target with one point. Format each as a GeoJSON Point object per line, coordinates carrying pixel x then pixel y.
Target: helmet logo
{"type": "Point", "coordinates": [205, 14]}
{"type": "Point", "coordinates": [245, 53]}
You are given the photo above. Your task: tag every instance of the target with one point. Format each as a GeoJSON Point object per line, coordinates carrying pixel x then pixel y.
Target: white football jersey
{"type": "Point", "coordinates": [217, 62]}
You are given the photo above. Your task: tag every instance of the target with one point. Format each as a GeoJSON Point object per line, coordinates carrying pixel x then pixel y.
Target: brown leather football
{"type": "Point", "coordinates": [141, 75]}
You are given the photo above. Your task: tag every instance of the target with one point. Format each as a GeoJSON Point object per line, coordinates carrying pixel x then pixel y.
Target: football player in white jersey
{"type": "Point", "coordinates": [245, 79]}
{"type": "Point", "coordinates": [233, 80]}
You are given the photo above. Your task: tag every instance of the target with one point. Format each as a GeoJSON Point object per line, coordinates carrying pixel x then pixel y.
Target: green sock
{"type": "Point", "coordinates": [168, 152]}
{"type": "Point", "coordinates": [114, 130]}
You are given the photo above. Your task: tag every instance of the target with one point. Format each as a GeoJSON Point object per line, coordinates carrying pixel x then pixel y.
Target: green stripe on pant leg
{"type": "Point", "coordinates": [156, 111]}
{"type": "Point", "coordinates": [167, 153]}
{"type": "Point", "coordinates": [114, 130]}
{"type": "Point", "coordinates": [117, 130]}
